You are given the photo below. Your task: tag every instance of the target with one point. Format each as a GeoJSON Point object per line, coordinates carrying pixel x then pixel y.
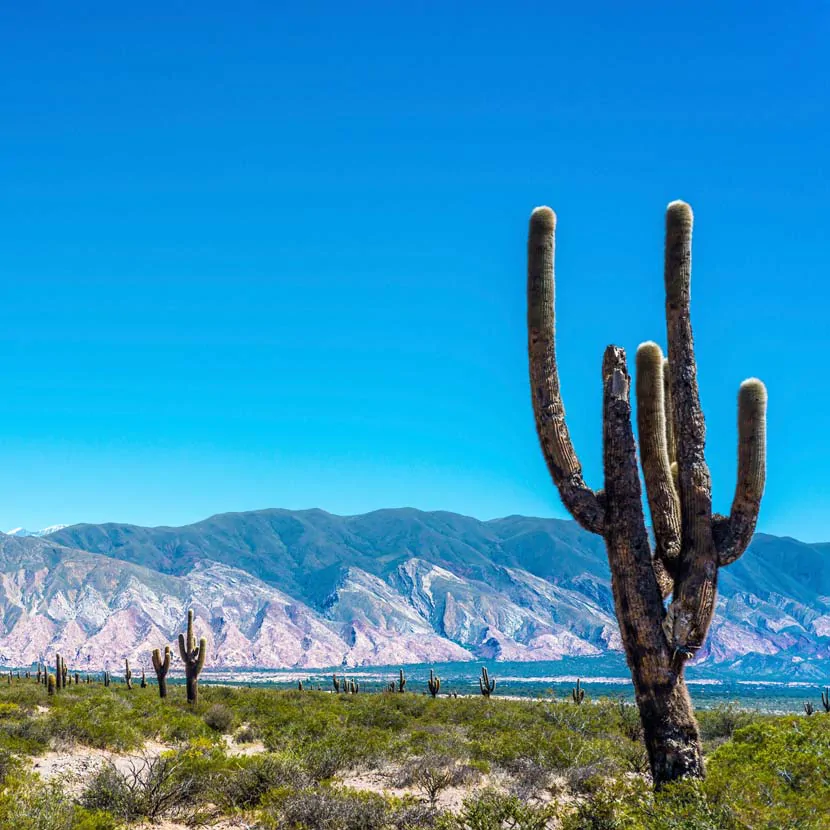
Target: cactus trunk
{"type": "Point", "coordinates": [161, 668]}
{"type": "Point", "coordinates": [193, 657]}
{"type": "Point", "coordinates": [691, 542]}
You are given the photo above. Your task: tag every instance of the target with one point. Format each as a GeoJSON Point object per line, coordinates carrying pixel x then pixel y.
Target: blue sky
{"type": "Point", "coordinates": [274, 254]}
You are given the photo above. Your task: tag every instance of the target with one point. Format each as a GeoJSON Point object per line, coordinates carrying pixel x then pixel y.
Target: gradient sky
{"type": "Point", "coordinates": [261, 254]}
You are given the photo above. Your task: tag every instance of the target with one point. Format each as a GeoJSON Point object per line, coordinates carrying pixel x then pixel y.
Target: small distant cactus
{"type": "Point", "coordinates": [351, 686]}
{"type": "Point", "coordinates": [39, 674]}
{"type": "Point", "coordinates": [485, 684]}
{"type": "Point", "coordinates": [128, 675]}
{"type": "Point", "coordinates": [106, 678]}
{"type": "Point", "coordinates": [143, 679]}
{"type": "Point", "coordinates": [161, 667]}
{"type": "Point", "coordinates": [825, 698]}
{"type": "Point", "coordinates": [193, 657]}
{"type": "Point", "coordinates": [578, 693]}
{"type": "Point", "coordinates": [336, 683]}
{"type": "Point", "coordinates": [401, 682]}
{"type": "Point", "coordinates": [434, 683]}
{"type": "Point", "coordinates": [77, 678]}
{"type": "Point", "coordinates": [391, 687]}
{"type": "Point", "coordinates": [299, 685]}
{"type": "Point", "coordinates": [809, 708]}
{"type": "Point", "coordinates": [51, 684]}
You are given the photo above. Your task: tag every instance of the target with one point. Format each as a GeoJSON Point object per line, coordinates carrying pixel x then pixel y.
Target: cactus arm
{"type": "Point", "coordinates": [155, 657]}
{"type": "Point", "coordinates": [200, 659]}
{"type": "Point", "coordinates": [662, 497]}
{"type": "Point", "coordinates": [183, 649]}
{"type": "Point", "coordinates": [671, 444]}
{"type": "Point", "coordinates": [734, 534]}
{"type": "Point", "coordinates": [191, 639]}
{"type": "Point", "coordinates": [637, 596]}
{"type": "Point", "coordinates": [579, 499]}
{"type": "Point", "coordinates": [693, 601]}
{"type": "Point", "coordinates": [166, 664]}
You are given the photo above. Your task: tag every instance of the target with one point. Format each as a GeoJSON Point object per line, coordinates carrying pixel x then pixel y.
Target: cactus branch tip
{"type": "Point", "coordinates": [679, 211]}
{"type": "Point", "coordinates": [543, 218]}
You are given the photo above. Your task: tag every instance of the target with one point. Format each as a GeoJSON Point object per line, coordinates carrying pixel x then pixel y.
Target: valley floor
{"type": "Point", "coordinates": [98, 758]}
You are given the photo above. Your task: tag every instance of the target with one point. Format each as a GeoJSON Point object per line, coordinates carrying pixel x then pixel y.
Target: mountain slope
{"type": "Point", "coordinates": [278, 587]}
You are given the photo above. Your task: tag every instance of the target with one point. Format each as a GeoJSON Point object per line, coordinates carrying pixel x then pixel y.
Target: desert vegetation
{"type": "Point", "coordinates": [265, 758]}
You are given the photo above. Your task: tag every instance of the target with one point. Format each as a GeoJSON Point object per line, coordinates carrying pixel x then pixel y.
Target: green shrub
{"type": "Point", "coordinates": [490, 810]}
{"type": "Point", "coordinates": [219, 718]}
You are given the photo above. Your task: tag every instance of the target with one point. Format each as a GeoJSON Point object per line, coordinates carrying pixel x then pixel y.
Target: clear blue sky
{"type": "Point", "coordinates": [260, 254]}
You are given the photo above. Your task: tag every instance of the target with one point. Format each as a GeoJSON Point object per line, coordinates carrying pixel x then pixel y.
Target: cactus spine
{"type": "Point", "coordinates": [578, 693]}
{"type": "Point", "coordinates": [193, 657]}
{"type": "Point", "coordinates": [485, 684]}
{"type": "Point", "coordinates": [691, 541]}
{"type": "Point", "coordinates": [825, 699]}
{"type": "Point", "coordinates": [434, 683]}
{"type": "Point", "coordinates": [161, 667]}
{"type": "Point", "coordinates": [401, 682]}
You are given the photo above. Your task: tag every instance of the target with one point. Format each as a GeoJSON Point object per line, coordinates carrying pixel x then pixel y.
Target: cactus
{"type": "Point", "coordinates": [401, 682]}
{"type": "Point", "coordinates": [391, 687]}
{"type": "Point", "coordinates": [161, 667]}
{"type": "Point", "coordinates": [143, 679]}
{"type": "Point", "coordinates": [51, 684]}
{"type": "Point", "coordinates": [825, 698]}
{"type": "Point", "coordinates": [485, 684]}
{"type": "Point", "coordinates": [809, 708]}
{"type": "Point", "coordinates": [77, 678]}
{"type": "Point", "coordinates": [434, 683]}
{"type": "Point", "coordinates": [335, 683]}
{"type": "Point", "coordinates": [38, 674]}
{"type": "Point", "coordinates": [106, 678]}
{"type": "Point", "coordinates": [299, 685]}
{"type": "Point", "coordinates": [691, 541]}
{"type": "Point", "coordinates": [577, 693]}
{"type": "Point", "coordinates": [193, 657]}
{"type": "Point", "coordinates": [128, 675]}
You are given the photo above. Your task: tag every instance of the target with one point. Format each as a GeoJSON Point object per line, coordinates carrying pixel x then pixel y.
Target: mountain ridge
{"type": "Point", "coordinates": [276, 588]}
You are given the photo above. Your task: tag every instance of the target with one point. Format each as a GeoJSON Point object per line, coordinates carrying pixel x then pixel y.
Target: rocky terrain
{"type": "Point", "coordinates": [279, 588]}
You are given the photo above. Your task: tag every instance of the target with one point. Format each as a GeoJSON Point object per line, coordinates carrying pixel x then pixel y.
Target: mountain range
{"type": "Point", "coordinates": [279, 588]}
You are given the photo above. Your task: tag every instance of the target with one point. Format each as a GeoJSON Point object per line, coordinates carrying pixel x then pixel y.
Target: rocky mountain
{"type": "Point", "coordinates": [276, 588]}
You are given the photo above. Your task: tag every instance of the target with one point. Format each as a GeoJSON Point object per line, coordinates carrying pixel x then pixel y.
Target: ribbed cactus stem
{"type": "Point", "coordinates": [161, 666]}
{"type": "Point", "coordinates": [51, 684]}
{"type": "Point", "coordinates": [434, 683]}
{"type": "Point", "coordinates": [193, 657]}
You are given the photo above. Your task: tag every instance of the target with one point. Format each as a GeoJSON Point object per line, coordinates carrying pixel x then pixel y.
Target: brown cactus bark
{"type": "Point", "coordinates": [691, 542]}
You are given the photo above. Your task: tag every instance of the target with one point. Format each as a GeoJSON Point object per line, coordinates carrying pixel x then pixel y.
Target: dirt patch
{"type": "Point", "coordinates": [73, 767]}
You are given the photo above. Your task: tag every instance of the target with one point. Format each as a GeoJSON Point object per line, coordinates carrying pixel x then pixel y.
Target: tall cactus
{"type": "Point", "coordinates": [578, 693]}
{"type": "Point", "coordinates": [434, 683]}
{"type": "Point", "coordinates": [128, 675]}
{"type": "Point", "coordinates": [193, 657]}
{"type": "Point", "coordinates": [51, 684]}
{"type": "Point", "coordinates": [336, 683]}
{"type": "Point", "coordinates": [401, 682]}
{"type": "Point", "coordinates": [691, 541]}
{"type": "Point", "coordinates": [485, 684]}
{"type": "Point", "coordinates": [825, 699]}
{"type": "Point", "coordinates": [161, 667]}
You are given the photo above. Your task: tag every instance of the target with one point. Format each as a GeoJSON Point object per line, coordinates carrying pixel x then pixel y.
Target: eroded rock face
{"type": "Point", "coordinates": [307, 589]}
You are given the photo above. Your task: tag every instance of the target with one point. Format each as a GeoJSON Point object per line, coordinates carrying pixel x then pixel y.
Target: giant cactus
{"type": "Point", "coordinates": [401, 682]}
{"type": "Point", "coordinates": [193, 657]}
{"type": "Point", "coordinates": [161, 667]}
{"type": "Point", "coordinates": [434, 683]}
{"type": "Point", "coordinates": [691, 541]}
{"type": "Point", "coordinates": [128, 675]}
{"type": "Point", "coordinates": [485, 685]}
{"type": "Point", "coordinates": [578, 693]}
